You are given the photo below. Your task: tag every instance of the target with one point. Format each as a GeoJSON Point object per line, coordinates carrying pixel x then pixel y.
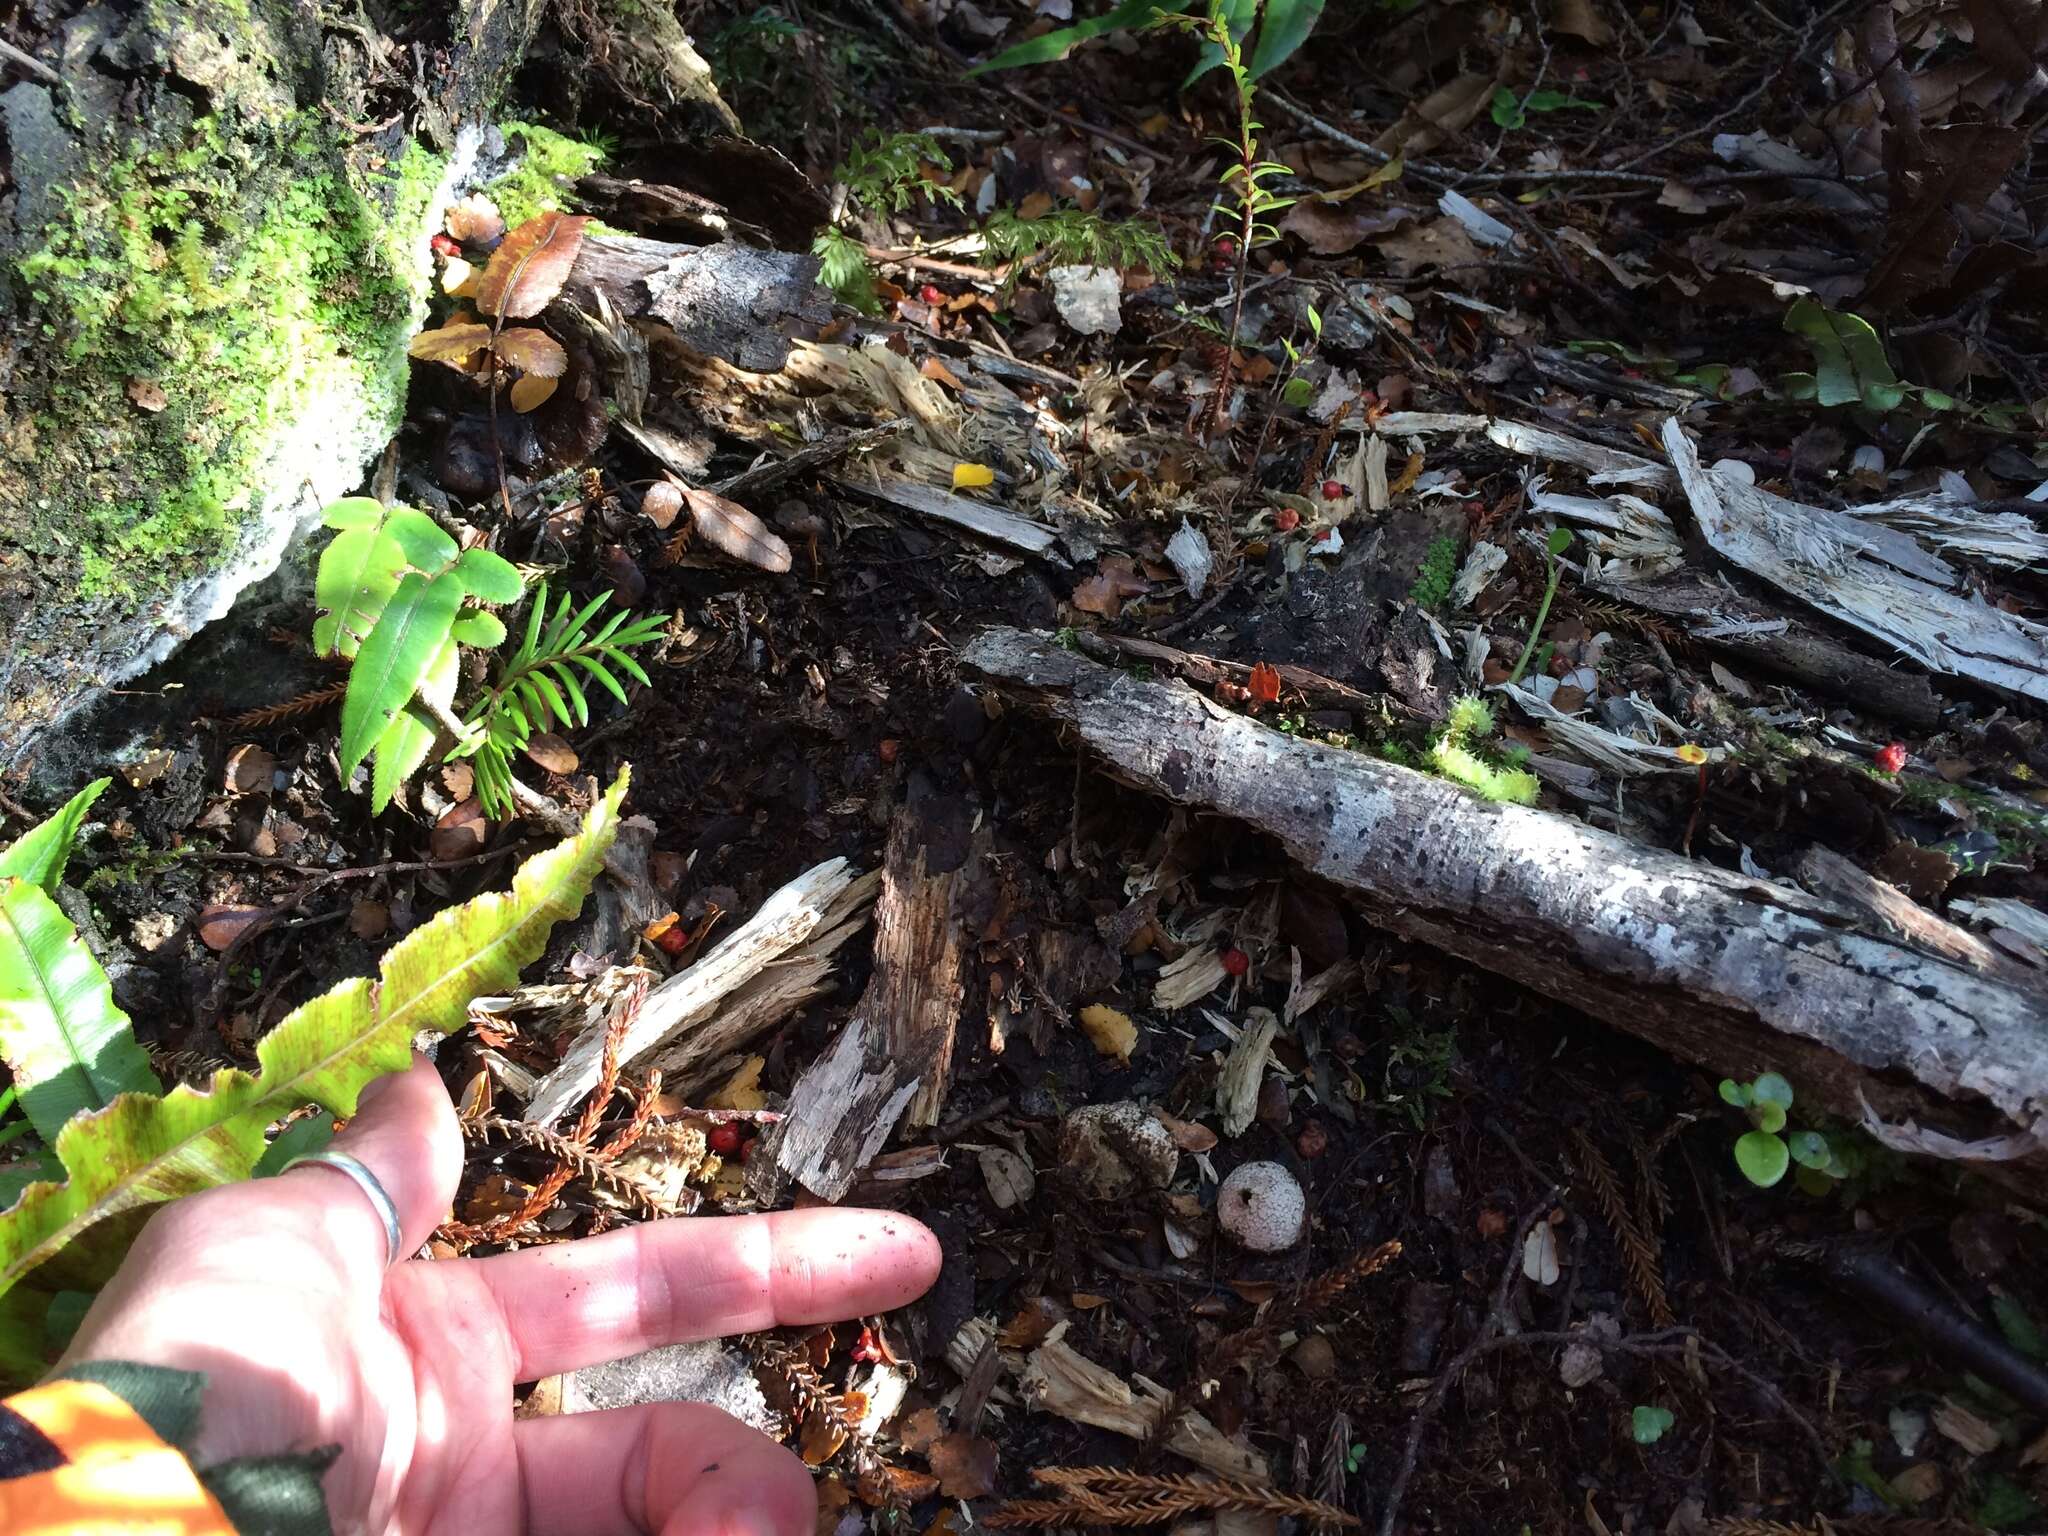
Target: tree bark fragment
{"type": "Point", "coordinates": [895, 1055]}
{"type": "Point", "coordinates": [1733, 973]}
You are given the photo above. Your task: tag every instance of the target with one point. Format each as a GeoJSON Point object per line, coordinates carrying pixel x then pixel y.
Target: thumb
{"type": "Point", "coordinates": [405, 1133]}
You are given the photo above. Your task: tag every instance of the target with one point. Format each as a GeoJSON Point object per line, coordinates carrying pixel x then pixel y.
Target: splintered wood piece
{"type": "Point", "coordinates": [1059, 1379]}
{"type": "Point", "coordinates": [786, 920]}
{"type": "Point", "coordinates": [895, 1054]}
{"type": "Point", "coordinates": [1735, 973]}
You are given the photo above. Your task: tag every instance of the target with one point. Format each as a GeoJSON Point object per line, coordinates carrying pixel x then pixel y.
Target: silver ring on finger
{"type": "Point", "coordinates": [370, 1185]}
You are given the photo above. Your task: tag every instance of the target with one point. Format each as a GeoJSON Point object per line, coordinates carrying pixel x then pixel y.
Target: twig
{"type": "Point", "coordinates": [35, 66]}
{"type": "Point", "coordinates": [1447, 175]}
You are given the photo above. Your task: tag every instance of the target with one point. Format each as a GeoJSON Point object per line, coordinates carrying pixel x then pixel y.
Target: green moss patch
{"type": "Point", "coordinates": [548, 163]}
{"type": "Point", "coordinates": [200, 293]}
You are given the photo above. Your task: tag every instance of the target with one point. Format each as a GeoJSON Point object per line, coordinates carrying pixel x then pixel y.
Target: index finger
{"type": "Point", "coordinates": [700, 1277]}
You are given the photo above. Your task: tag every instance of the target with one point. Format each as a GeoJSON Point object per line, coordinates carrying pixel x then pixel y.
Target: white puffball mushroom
{"type": "Point", "coordinates": [1262, 1207]}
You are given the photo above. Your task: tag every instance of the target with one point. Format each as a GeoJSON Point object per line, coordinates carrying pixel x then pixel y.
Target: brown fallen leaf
{"type": "Point", "coordinates": [250, 768]}
{"type": "Point", "coordinates": [147, 395]}
{"type": "Point", "coordinates": [221, 923]}
{"type": "Point", "coordinates": [662, 503]}
{"type": "Point", "coordinates": [965, 1464]}
{"type": "Point", "coordinates": [1105, 592]}
{"type": "Point", "coordinates": [1328, 231]}
{"type": "Point", "coordinates": [732, 530]}
{"type": "Point", "coordinates": [1577, 18]}
{"type": "Point", "coordinates": [1443, 243]}
{"type": "Point", "coordinates": [530, 266]}
{"type": "Point", "coordinates": [455, 344]}
{"type": "Point", "coordinates": [461, 832]}
{"type": "Point", "coordinates": [532, 351]}
{"type": "Point", "coordinates": [549, 751]}
{"type": "Point", "coordinates": [369, 919]}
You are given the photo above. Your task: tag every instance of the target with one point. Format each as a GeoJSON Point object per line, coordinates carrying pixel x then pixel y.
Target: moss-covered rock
{"type": "Point", "coordinates": [209, 277]}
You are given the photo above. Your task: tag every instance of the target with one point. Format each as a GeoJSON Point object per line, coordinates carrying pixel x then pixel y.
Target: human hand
{"type": "Point", "coordinates": [278, 1291]}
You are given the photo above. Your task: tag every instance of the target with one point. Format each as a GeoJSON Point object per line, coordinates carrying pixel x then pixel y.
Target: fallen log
{"type": "Point", "coordinates": [1734, 973]}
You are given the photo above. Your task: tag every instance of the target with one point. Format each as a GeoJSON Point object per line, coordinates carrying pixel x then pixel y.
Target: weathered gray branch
{"type": "Point", "coordinates": [1735, 973]}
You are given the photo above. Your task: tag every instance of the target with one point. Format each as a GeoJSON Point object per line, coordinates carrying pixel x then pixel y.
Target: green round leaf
{"type": "Point", "coordinates": [1771, 1088]}
{"type": "Point", "coordinates": [485, 631]}
{"type": "Point", "coordinates": [1766, 1116]}
{"type": "Point", "coordinates": [1809, 1149]}
{"type": "Point", "coordinates": [1647, 1423]}
{"type": "Point", "coordinates": [1762, 1158]}
{"type": "Point", "coordinates": [489, 578]}
{"type": "Point", "coordinates": [353, 512]}
{"type": "Point", "coordinates": [1734, 1093]}
{"type": "Point", "coordinates": [1811, 1181]}
{"type": "Point", "coordinates": [1560, 540]}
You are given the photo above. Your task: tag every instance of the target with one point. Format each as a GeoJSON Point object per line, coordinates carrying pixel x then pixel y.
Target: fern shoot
{"type": "Point", "coordinates": [538, 686]}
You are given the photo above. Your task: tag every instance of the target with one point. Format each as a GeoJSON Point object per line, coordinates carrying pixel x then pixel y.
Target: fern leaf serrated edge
{"type": "Point", "coordinates": [188, 1140]}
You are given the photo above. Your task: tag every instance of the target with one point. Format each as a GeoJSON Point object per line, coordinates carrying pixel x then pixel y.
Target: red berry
{"type": "Point", "coordinates": [1226, 246]}
{"type": "Point", "coordinates": [887, 748]}
{"type": "Point", "coordinates": [1286, 519]}
{"type": "Point", "coordinates": [867, 1349]}
{"type": "Point", "coordinates": [446, 245]}
{"type": "Point", "coordinates": [1891, 758]}
{"type": "Point", "coordinates": [724, 1138]}
{"type": "Point", "coordinates": [932, 294]}
{"type": "Point", "coordinates": [1333, 490]}
{"type": "Point", "coordinates": [1236, 962]}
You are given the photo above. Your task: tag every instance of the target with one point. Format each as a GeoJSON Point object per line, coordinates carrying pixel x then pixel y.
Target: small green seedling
{"type": "Point", "coordinates": [399, 600]}
{"type": "Point", "coordinates": [1765, 1153]}
{"type": "Point", "coordinates": [1557, 543]}
{"type": "Point", "coordinates": [1438, 575]}
{"type": "Point", "coordinates": [1354, 1458]}
{"type": "Point", "coordinates": [1647, 1423]}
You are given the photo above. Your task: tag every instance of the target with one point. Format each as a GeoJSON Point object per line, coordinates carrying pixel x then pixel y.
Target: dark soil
{"type": "Point", "coordinates": [1431, 1104]}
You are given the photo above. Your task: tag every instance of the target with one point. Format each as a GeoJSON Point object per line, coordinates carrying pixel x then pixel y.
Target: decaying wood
{"type": "Point", "coordinates": [895, 1053]}
{"type": "Point", "coordinates": [830, 449]}
{"type": "Point", "coordinates": [1716, 614]}
{"type": "Point", "coordinates": [1892, 912]}
{"type": "Point", "coordinates": [1877, 578]}
{"type": "Point", "coordinates": [787, 919]}
{"type": "Point", "coordinates": [977, 517]}
{"type": "Point", "coordinates": [1317, 691]}
{"type": "Point", "coordinates": [799, 977]}
{"type": "Point", "coordinates": [1059, 1379]}
{"type": "Point", "coordinates": [733, 302]}
{"type": "Point", "coordinates": [1735, 973]}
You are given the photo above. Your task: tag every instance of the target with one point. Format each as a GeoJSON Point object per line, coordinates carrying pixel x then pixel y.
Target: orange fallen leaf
{"type": "Point", "coordinates": [1264, 684]}
{"type": "Point", "coordinates": [530, 266]}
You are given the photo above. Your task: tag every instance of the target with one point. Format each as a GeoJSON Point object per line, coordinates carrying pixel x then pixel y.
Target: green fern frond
{"type": "Point", "coordinates": [143, 1149]}
{"type": "Point", "coordinates": [1072, 237]}
{"type": "Point", "coordinates": [885, 171]}
{"type": "Point", "coordinates": [537, 688]}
